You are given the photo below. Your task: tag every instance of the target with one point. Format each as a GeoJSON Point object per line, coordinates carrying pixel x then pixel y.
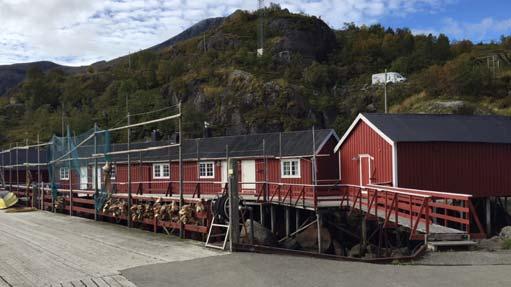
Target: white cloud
{"type": "Point", "coordinates": [488, 29]}
{"type": "Point", "coordinates": [77, 32]}
{"type": "Point", "coordinates": [484, 30]}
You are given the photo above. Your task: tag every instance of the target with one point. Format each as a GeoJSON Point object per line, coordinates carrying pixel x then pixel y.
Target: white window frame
{"type": "Point", "coordinates": [290, 161]}
{"type": "Point", "coordinates": [206, 163]}
{"type": "Point", "coordinates": [160, 168]}
{"type": "Point", "coordinates": [64, 173]}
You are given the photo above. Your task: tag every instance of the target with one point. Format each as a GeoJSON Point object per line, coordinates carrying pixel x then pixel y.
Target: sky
{"type": "Point", "coordinates": [81, 32]}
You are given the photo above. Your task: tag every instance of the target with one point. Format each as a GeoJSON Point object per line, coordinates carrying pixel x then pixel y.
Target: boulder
{"type": "Point", "coordinates": [357, 251]}
{"type": "Point", "coordinates": [308, 238]}
{"type": "Point", "coordinates": [505, 233]}
{"type": "Point", "coordinates": [262, 235]}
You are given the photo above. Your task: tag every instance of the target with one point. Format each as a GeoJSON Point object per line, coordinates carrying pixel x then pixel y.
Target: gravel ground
{"type": "Point", "coordinates": [464, 258]}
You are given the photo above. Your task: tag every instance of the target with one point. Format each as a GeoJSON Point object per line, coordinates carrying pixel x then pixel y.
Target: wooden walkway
{"type": "Point", "coordinates": [46, 249]}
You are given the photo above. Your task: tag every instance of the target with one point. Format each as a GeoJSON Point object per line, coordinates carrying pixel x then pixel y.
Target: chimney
{"type": "Point", "coordinates": [207, 130]}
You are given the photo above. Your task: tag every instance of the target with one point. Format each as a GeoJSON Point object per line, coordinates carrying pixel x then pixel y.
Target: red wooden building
{"type": "Point", "coordinates": [16, 163]}
{"type": "Point", "coordinates": [449, 153]}
{"type": "Point", "coordinates": [272, 157]}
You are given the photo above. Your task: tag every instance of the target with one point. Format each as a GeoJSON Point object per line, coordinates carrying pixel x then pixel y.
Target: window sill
{"type": "Point", "coordinates": [290, 176]}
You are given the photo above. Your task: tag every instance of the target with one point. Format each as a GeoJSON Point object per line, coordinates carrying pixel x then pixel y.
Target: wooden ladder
{"type": "Point", "coordinates": [225, 227]}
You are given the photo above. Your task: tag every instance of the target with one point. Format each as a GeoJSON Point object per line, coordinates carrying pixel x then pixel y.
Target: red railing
{"type": "Point", "coordinates": [419, 210]}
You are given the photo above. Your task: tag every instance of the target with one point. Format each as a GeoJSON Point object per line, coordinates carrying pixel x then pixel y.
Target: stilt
{"type": "Point", "coordinates": [297, 219]}
{"type": "Point", "coordinates": [272, 218]}
{"type": "Point", "coordinates": [363, 236]}
{"type": "Point", "coordinates": [318, 218]}
{"type": "Point", "coordinates": [262, 215]}
{"type": "Point", "coordinates": [488, 216]}
{"type": "Point", "coordinates": [288, 221]}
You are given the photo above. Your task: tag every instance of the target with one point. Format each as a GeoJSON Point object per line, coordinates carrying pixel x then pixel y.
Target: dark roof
{"type": "Point", "coordinates": [297, 143]}
{"type": "Point", "coordinates": [9, 156]}
{"type": "Point", "coordinates": [443, 128]}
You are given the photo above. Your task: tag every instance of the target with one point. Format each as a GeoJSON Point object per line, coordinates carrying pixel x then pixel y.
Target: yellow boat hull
{"type": "Point", "coordinates": [7, 199]}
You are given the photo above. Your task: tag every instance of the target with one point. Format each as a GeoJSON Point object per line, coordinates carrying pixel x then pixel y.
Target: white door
{"type": "Point", "coordinates": [224, 172]}
{"type": "Point", "coordinates": [98, 184]}
{"type": "Point", "coordinates": [84, 180]}
{"type": "Point", "coordinates": [248, 174]}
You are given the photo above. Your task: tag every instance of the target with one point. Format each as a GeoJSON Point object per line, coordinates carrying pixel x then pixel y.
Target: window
{"type": "Point", "coordinates": [207, 169]}
{"type": "Point", "coordinates": [290, 168]}
{"type": "Point", "coordinates": [161, 170]}
{"type": "Point", "coordinates": [64, 173]}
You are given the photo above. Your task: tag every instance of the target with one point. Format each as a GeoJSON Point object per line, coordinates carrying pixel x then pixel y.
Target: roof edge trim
{"type": "Point", "coordinates": [359, 118]}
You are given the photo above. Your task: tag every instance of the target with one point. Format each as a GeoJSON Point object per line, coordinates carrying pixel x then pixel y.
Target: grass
{"type": "Point", "coordinates": [506, 244]}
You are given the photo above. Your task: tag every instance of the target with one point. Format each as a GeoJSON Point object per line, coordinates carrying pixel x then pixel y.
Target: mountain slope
{"type": "Point", "coordinates": [12, 75]}
{"type": "Point", "coordinates": [309, 75]}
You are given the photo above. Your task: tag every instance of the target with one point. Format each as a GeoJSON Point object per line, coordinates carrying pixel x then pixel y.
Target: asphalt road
{"type": "Point", "coordinates": [258, 270]}
{"type": "Point", "coordinates": [45, 249]}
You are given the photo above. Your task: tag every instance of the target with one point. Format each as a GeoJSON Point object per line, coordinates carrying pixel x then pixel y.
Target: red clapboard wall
{"type": "Point", "coordinates": [479, 169]}
{"type": "Point", "coordinates": [364, 140]}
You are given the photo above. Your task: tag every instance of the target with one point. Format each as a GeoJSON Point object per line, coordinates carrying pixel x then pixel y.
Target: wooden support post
{"type": "Point", "coordinates": [181, 196]}
{"type": "Point", "coordinates": [96, 183]}
{"type": "Point", "coordinates": [488, 216]}
{"type": "Point", "coordinates": [262, 214]}
{"type": "Point", "coordinates": [130, 196]}
{"type": "Point", "coordinates": [38, 186]}
{"type": "Point", "coordinates": [70, 172]}
{"type": "Point", "coordinates": [297, 219]}
{"type": "Point", "coordinates": [272, 218]}
{"type": "Point", "coordinates": [318, 220]}
{"type": "Point", "coordinates": [363, 234]}
{"type": "Point", "coordinates": [234, 220]}
{"type": "Point", "coordinates": [288, 221]}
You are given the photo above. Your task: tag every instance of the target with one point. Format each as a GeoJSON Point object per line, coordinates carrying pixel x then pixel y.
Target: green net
{"type": "Point", "coordinates": [76, 161]}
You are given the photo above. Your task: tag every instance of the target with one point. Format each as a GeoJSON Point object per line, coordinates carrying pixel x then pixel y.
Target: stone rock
{"type": "Point", "coordinates": [220, 41]}
{"type": "Point", "coordinates": [338, 248]}
{"type": "Point", "coordinates": [313, 40]}
{"type": "Point", "coordinates": [262, 235]}
{"type": "Point", "coordinates": [491, 244]}
{"type": "Point", "coordinates": [356, 251]}
{"type": "Point", "coordinates": [505, 233]}
{"type": "Point", "coordinates": [308, 238]}
{"type": "Point", "coordinates": [239, 78]}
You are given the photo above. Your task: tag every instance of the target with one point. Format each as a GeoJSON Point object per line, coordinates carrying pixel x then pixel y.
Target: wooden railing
{"type": "Point", "coordinates": [416, 209]}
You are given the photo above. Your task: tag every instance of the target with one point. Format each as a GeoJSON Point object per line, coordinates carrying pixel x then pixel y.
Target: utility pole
{"type": "Point", "coordinates": [62, 134]}
{"type": "Point", "coordinates": [385, 91]}
{"type": "Point", "coordinates": [260, 36]}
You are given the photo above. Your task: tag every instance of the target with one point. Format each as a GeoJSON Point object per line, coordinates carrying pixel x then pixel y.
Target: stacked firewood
{"type": "Point", "coordinates": [59, 202]}
{"type": "Point", "coordinates": [142, 211]}
{"type": "Point", "coordinates": [116, 207]}
{"type": "Point", "coordinates": [166, 212]}
{"type": "Point", "coordinates": [186, 214]}
{"type": "Point", "coordinates": [189, 213]}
